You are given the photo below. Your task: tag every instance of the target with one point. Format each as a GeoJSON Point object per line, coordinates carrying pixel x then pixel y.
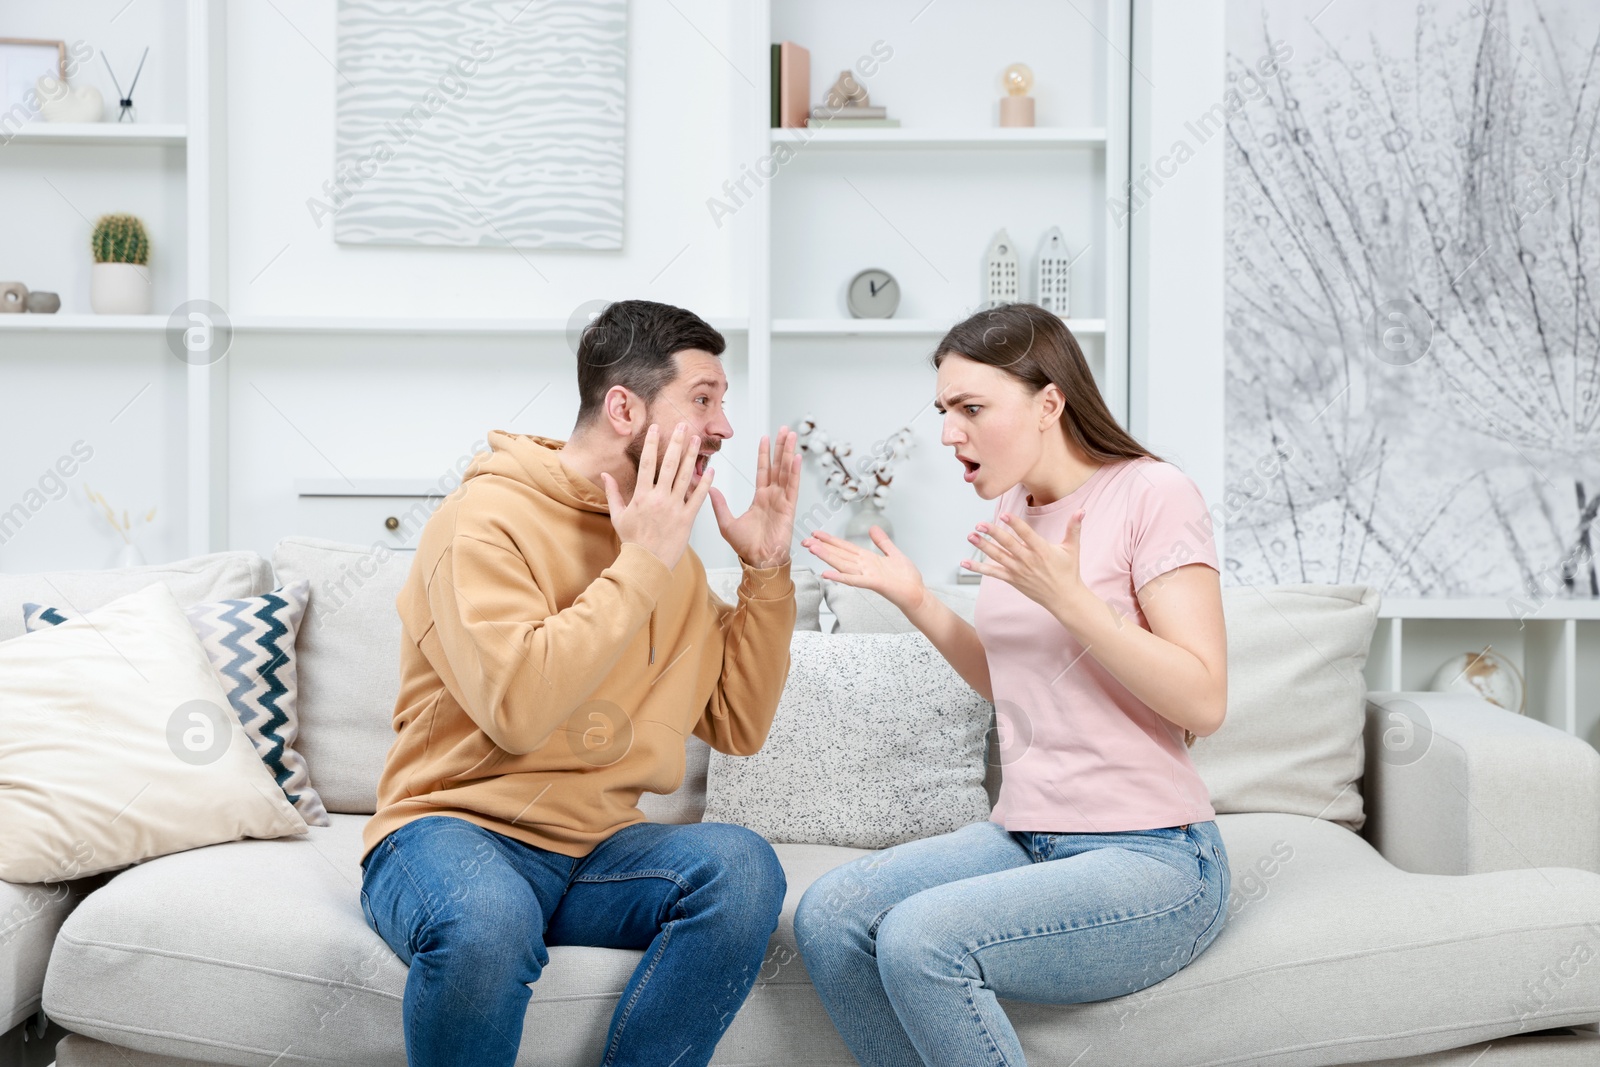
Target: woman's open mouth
{"type": "Point", "coordinates": [972, 468]}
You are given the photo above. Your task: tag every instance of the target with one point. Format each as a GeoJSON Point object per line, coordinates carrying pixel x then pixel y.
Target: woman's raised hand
{"type": "Point", "coordinates": [889, 574]}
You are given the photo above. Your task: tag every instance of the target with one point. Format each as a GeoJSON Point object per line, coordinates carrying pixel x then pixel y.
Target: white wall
{"type": "Point", "coordinates": [1176, 354]}
{"type": "Point", "coordinates": [281, 125]}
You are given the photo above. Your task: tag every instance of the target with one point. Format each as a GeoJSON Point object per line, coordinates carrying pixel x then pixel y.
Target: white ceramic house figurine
{"type": "Point", "coordinates": [1053, 278]}
{"type": "Point", "coordinates": [1001, 272]}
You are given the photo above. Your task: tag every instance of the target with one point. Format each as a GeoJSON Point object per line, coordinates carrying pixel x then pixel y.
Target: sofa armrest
{"type": "Point", "coordinates": [1457, 785]}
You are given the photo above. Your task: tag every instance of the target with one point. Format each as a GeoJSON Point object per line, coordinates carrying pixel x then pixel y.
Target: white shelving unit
{"type": "Point", "coordinates": [420, 325]}
{"type": "Point", "coordinates": [1077, 153]}
{"type": "Point", "coordinates": [1556, 648]}
{"type": "Point", "coordinates": [100, 133]}
{"type": "Point", "coordinates": [70, 323]}
{"type": "Point", "coordinates": [974, 140]}
{"type": "Point", "coordinates": [176, 160]}
{"type": "Point", "coordinates": [898, 327]}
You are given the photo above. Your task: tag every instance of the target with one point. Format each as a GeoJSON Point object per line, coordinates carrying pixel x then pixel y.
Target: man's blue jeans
{"type": "Point", "coordinates": [471, 912]}
{"type": "Point", "coordinates": [910, 948]}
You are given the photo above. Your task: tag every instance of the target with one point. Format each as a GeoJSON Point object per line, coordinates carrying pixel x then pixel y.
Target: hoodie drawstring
{"type": "Point", "coordinates": [652, 635]}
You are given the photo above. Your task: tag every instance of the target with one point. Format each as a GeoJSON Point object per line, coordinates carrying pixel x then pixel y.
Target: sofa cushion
{"type": "Point", "coordinates": [217, 576]}
{"type": "Point", "coordinates": [24, 942]}
{"type": "Point", "coordinates": [30, 915]}
{"type": "Point", "coordinates": [162, 960]}
{"type": "Point", "coordinates": [250, 642]}
{"type": "Point", "coordinates": [877, 740]}
{"type": "Point", "coordinates": [349, 653]}
{"type": "Point", "coordinates": [1292, 739]}
{"type": "Point", "coordinates": [1559, 1047]}
{"type": "Point", "coordinates": [1329, 955]}
{"type": "Point", "coordinates": [117, 744]}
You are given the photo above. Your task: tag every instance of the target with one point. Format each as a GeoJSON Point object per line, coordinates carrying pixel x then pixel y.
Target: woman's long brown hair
{"type": "Point", "coordinates": [1035, 347]}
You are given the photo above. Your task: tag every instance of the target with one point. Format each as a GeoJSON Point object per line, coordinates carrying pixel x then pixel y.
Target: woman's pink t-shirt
{"type": "Point", "coordinates": [1079, 752]}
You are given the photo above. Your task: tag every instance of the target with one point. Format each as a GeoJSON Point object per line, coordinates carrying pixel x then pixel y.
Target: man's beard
{"type": "Point", "coordinates": [635, 451]}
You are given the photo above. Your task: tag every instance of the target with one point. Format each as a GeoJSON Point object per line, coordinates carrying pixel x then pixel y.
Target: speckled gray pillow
{"type": "Point", "coordinates": [877, 741]}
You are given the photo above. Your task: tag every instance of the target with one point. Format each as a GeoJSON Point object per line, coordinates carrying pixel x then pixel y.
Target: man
{"type": "Point", "coordinates": [560, 642]}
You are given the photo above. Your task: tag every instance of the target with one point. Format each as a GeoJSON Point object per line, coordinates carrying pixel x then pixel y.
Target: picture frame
{"type": "Point", "coordinates": [23, 60]}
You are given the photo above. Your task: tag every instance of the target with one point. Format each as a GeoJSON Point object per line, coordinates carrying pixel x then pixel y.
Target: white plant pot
{"type": "Point", "coordinates": [859, 528]}
{"type": "Point", "coordinates": [119, 289]}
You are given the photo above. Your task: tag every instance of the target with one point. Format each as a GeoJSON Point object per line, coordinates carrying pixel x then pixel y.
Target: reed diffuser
{"type": "Point", "coordinates": [129, 555]}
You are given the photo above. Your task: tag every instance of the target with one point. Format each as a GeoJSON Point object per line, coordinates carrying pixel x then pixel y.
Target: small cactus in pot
{"type": "Point", "coordinates": [120, 278]}
{"type": "Point", "coordinates": [120, 239]}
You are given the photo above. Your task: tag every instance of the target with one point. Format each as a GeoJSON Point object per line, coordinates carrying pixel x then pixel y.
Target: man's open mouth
{"type": "Point", "coordinates": [701, 462]}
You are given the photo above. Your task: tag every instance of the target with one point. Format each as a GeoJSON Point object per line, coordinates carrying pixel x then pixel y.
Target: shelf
{"type": "Point", "coordinates": [100, 133]}
{"type": "Point", "coordinates": [385, 487]}
{"type": "Point", "coordinates": [380, 325]}
{"type": "Point", "coordinates": [1486, 608]}
{"type": "Point", "coordinates": [26, 322]}
{"type": "Point", "coordinates": [900, 137]}
{"type": "Point", "coordinates": [894, 327]}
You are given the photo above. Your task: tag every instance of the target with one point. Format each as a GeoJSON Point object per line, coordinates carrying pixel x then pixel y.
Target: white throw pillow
{"type": "Point", "coordinates": [117, 744]}
{"type": "Point", "coordinates": [877, 740]}
{"type": "Point", "coordinates": [348, 656]}
{"type": "Point", "coordinates": [250, 642]}
{"type": "Point", "coordinates": [1292, 738]}
{"type": "Point", "coordinates": [218, 576]}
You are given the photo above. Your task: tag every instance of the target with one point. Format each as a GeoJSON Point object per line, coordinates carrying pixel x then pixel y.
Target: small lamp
{"type": "Point", "coordinates": [1016, 107]}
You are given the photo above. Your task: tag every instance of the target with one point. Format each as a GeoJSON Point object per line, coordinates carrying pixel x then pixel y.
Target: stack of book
{"type": "Point", "coordinates": [791, 91]}
{"type": "Point", "coordinates": [791, 84]}
{"type": "Point", "coordinates": [849, 117]}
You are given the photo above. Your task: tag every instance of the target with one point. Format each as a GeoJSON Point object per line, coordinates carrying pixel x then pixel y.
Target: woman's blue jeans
{"type": "Point", "coordinates": [471, 912]}
{"type": "Point", "coordinates": [911, 948]}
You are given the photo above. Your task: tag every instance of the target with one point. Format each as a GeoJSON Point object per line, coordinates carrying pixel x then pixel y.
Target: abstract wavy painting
{"type": "Point", "coordinates": [479, 124]}
{"type": "Point", "coordinates": [1413, 341]}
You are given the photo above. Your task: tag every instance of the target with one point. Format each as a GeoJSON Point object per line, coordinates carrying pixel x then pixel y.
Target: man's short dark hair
{"type": "Point", "coordinates": [631, 343]}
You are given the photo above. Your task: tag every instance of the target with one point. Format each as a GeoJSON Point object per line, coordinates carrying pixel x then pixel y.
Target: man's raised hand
{"type": "Point", "coordinates": [761, 535]}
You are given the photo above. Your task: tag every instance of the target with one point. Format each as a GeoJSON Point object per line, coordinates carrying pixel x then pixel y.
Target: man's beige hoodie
{"type": "Point", "coordinates": [550, 673]}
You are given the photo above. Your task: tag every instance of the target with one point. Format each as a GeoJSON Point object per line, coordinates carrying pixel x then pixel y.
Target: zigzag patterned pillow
{"type": "Point", "coordinates": [250, 642]}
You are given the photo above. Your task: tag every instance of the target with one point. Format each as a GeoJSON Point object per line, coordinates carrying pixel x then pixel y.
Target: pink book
{"type": "Point", "coordinates": [794, 96]}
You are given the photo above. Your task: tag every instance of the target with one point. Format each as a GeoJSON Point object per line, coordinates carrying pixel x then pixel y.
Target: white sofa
{"type": "Point", "coordinates": [1446, 933]}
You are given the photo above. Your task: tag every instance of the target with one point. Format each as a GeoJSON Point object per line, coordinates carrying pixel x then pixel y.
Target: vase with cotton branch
{"type": "Point", "coordinates": [865, 481]}
{"type": "Point", "coordinates": [129, 555]}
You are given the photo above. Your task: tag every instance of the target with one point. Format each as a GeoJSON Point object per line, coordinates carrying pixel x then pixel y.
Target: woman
{"type": "Point", "coordinates": [1100, 641]}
